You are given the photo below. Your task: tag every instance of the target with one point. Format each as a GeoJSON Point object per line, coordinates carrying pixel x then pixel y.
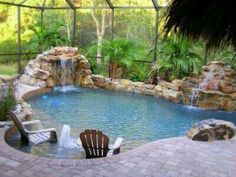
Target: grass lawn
{"type": "Point", "coordinates": [8, 69]}
{"type": "Point", "coordinates": [11, 68]}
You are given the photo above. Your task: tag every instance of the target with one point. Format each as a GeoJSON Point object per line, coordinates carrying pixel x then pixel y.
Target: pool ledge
{"type": "Point", "coordinates": [177, 156]}
{"type": "Point", "coordinates": [25, 91]}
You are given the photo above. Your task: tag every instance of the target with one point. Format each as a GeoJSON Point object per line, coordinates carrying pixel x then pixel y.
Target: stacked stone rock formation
{"type": "Point", "coordinates": [214, 89]}
{"type": "Point", "coordinates": [45, 70]}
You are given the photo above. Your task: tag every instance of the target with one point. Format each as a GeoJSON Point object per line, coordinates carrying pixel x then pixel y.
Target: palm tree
{"type": "Point", "coordinates": [120, 53]}
{"type": "Point", "coordinates": [176, 59]}
{"type": "Point", "coordinates": [214, 20]}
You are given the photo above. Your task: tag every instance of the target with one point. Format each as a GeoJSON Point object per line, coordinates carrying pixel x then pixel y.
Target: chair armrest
{"type": "Point", "coordinates": [31, 122]}
{"type": "Point", "coordinates": [78, 142]}
{"type": "Point", "coordinates": [42, 131]}
{"type": "Point", "coordinates": [117, 144]}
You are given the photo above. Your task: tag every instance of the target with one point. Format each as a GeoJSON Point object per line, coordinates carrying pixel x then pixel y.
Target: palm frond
{"type": "Point", "coordinates": [214, 21]}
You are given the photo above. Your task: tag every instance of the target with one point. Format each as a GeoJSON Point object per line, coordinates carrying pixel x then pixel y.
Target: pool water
{"type": "Point", "coordinates": [137, 118]}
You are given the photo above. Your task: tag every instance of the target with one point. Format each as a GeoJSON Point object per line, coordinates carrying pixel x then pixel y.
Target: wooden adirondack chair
{"type": "Point", "coordinates": [35, 137]}
{"type": "Point", "coordinates": [96, 144]}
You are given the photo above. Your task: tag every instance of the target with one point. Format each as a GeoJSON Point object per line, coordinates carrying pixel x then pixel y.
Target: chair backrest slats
{"type": "Point", "coordinates": [100, 144]}
{"type": "Point", "coordinates": [95, 143]}
{"type": "Point", "coordinates": [20, 127]}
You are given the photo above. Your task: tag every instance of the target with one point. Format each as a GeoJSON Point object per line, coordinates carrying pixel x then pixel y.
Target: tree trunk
{"type": "Point", "coordinates": [112, 70]}
{"type": "Point", "coordinates": [100, 31]}
{"type": "Point", "coordinates": [99, 48]}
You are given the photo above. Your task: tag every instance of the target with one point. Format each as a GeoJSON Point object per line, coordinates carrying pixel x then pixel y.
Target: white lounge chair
{"type": "Point", "coordinates": [35, 137]}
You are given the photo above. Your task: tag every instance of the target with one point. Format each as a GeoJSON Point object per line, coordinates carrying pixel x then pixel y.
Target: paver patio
{"type": "Point", "coordinates": [177, 157]}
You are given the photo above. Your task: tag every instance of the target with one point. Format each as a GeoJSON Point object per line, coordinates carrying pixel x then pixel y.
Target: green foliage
{"type": "Point", "coordinates": [8, 46]}
{"type": "Point", "coordinates": [7, 102]}
{"type": "Point", "coordinates": [8, 69]}
{"type": "Point", "coordinates": [121, 51]}
{"type": "Point", "coordinates": [119, 54]}
{"type": "Point", "coordinates": [137, 25]}
{"type": "Point", "coordinates": [177, 59]}
{"type": "Point", "coordinates": [226, 55]}
{"type": "Point", "coordinates": [139, 71]}
{"type": "Point", "coordinates": [45, 37]}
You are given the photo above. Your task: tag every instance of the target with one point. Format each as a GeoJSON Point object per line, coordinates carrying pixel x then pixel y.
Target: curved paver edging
{"type": "Point", "coordinates": [178, 157]}
{"type": "Point", "coordinates": [15, 154]}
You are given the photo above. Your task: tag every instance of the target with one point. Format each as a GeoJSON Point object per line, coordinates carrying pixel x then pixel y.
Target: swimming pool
{"type": "Point", "coordinates": [137, 118]}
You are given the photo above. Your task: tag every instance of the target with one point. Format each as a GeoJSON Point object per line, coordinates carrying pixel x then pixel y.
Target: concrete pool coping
{"type": "Point", "coordinates": [26, 91]}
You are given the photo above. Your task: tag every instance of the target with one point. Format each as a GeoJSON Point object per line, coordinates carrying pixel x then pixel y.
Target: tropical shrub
{"type": "Point", "coordinates": [120, 54]}
{"type": "Point", "coordinates": [118, 59]}
{"type": "Point", "coordinates": [7, 102]}
{"type": "Point", "coordinates": [227, 55]}
{"type": "Point", "coordinates": [139, 71]}
{"type": "Point", "coordinates": [177, 59]}
{"type": "Point", "coordinates": [45, 37]}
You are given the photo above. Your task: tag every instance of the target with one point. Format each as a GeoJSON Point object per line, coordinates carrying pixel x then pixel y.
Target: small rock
{"type": "Point", "coordinates": [138, 84]}
{"type": "Point", "coordinates": [26, 79]}
{"type": "Point", "coordinates": [125, 82]}
{"type": "Point", "coordinates": [98, 78]}
{"type": "Point", "coordinates": [84, 65]}
{"type": "Point", "coordinates": [158, 88]}
{"type": "Point", "coordinates": [41, 84]}
{"type": "Point", "coordinates": [149, 86]}
{"type": "Point", "coordinates": [50, 82]}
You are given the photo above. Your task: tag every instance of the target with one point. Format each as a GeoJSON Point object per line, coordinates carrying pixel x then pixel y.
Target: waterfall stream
{"type": "Point", "coordinates": [64, 73]}
{"type": "Point", "coordinates": [207, 83]}
{"type": "Point", "coordinates": [67, 71]}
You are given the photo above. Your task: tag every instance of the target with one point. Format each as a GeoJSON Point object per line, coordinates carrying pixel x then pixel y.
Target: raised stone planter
{"type": "Point", "coordinates": [211, 129]}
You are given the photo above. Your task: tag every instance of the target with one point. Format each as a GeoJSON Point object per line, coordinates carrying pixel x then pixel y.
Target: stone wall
{"type": "Point", "coordinates": [170, 91]}
{"type": "Point", "coordinates": [214, 89]}
{"type": "Point", "coordinates": [47, 69]}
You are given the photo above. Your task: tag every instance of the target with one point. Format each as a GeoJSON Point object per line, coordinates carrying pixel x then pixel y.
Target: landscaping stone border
{"type": "Point", "coordinates": [214, 89]}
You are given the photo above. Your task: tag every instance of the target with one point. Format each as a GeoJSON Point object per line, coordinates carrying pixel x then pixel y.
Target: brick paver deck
{"type": "Point", "coordinates": [177, 157]}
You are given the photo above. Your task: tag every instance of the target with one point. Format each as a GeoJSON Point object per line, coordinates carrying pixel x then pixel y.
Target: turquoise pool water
{"type": "Point", "coordinates": [137, 118]}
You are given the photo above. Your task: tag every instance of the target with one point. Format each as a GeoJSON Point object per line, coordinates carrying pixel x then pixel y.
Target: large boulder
{"type": "Point", "coordinates": [26, 79]}
{"type": "Point", "coordinates": [36, 73]}
{"type": "Point", "coordinates": [212, 129]}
